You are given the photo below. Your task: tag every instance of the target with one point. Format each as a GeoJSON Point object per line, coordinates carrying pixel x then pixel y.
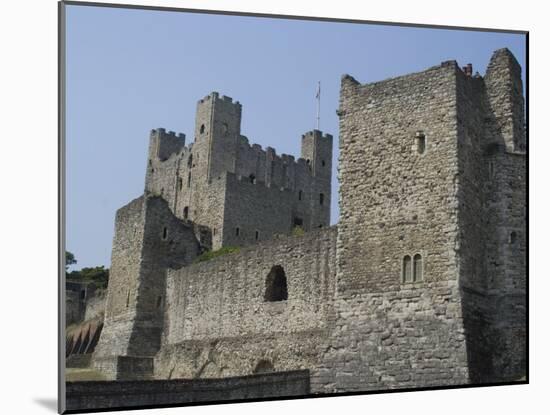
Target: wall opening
{"type": "Point", "coordinates": [252, 179]}
{"type": "Point", "coordinates": [189, 179]}
{"type": "Point", "coordinates": [418, 271]}
{"type": "Point", "coordinates": [257, 235]}
{"type": "Point", "coordinates": [164, 233]}
{"type": "Point", "coordinates": [82, 294]}
{"type": "Point", "coordinates": [323, 163]}
{"type": "Point", "coordinates": [275, 285]}
{"type": "Point", "coordinates": [513, 237]}
{"type": "Point", "coordinates": [264, 366]}
{"type": "Point", "coordinates": [225, 129]}
{"type": "Point", "coordinates": [128, 299]}
{"type": "Point", "coordinates": [237, 231]}
{"type": "Point", "coordinates": [202, 129]}
{"type": "Point", "coordinates": [299, 195]}
{"type": "Point", "coordinates": [321, 199]}
{"type": "Point", "coordinates": [420, 142]}
{"type": "Point", "coordinates": [407, 269]}
{"type": "Point", "coordinates": [298, 222]}
{"type": "Point", "coordinates": [186, 212]}
{"type": "Point", "coordinates": [180, 183]}
{"type": "Point", "coordinates": [159, 301]}
{"type": "Point", "coordinates": [190, 161]}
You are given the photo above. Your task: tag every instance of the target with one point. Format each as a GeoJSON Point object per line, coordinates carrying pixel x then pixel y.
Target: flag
{"type": "Point", "coordinates": [318, 94]}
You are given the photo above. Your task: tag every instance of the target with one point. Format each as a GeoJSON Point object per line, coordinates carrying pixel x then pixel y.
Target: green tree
{"type": "Point", "coordinates": [99, 275]}
{"type": "Point", "coordinates": [69, 259]}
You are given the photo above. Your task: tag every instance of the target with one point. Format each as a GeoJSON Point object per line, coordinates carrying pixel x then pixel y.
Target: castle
{"type": "Point", "coordinates": [421, 283]}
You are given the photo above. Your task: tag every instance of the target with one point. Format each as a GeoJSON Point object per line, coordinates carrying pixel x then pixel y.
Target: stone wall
{"type": "Point", "coordinates": [95, 305]}
{"type": "Point", "coordinates": [492, 219]}
{"type": "Point", "coordinates": [398, 199]}
{"type": "Point", "coordinates": [218, 323]}
{"type": "Point", "coordinates": [433, 160]}
{"type": "Point", "coordinates": [73, 307]}
{"type": "Point", "coordinates": [126, 394]}
{"type": "Point", "coordinates": [148, 239]}
{"type": "Point", "coordinates": [83, 301]}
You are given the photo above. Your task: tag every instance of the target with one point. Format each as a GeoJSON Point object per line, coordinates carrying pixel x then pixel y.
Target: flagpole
{"type": "Point", "coordinates": [318, 96]}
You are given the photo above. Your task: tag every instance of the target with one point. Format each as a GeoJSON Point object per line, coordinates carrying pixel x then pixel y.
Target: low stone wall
{"type": "Point", "coordinates": [125, 394]}
{"type": "Point", "coordinates": [79, 360]}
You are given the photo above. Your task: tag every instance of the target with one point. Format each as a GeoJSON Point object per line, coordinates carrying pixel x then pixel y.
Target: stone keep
{"type": "Point", "coordinates": [421, 283]}
{"type": "Point", "coordinates": [240, 192]}
{"type": "Point", "coordinates": [218, 191]}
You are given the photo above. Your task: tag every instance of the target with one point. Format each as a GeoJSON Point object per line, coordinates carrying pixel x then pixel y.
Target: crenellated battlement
{"type": "Point", "coordinates": [221, 177]}
{"type": "Point", "coordinates": [317, 134]}
{"type": "Point", "coordinates": [216, 96]}
{"type": "Point", "coordinates": [163, 133]}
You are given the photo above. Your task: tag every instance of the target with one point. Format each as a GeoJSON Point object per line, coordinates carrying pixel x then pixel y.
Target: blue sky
{"type": "Point", "coordinates": [129, 71]}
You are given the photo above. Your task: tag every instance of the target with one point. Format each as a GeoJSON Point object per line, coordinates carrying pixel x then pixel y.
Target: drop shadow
{"type": "Point", "coordinates": [48, 403]}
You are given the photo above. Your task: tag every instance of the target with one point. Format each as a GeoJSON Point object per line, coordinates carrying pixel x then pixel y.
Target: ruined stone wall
{"type": "Point", "coordinates": [95, 305]}
{"type": "Point", "coordinates": [83, 301]}
{"type": "Point", "coordinates": [398, 197]}
{"type": "Point", "coordinates": [148, 239]}
{"type": "Point", "coordinates": [217, 322]}
{"type": "Point", "coordinates": [73, 307]}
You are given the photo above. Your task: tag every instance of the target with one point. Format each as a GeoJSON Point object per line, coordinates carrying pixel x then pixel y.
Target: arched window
{"type": "Point", "coordinates": [185, 212]}
{"type": "Point", "coordinates": [202, 129]}
{"type": "Point", "coordinates": [407, 269]}
{"type": "Point", "coordinates": [321, 198]}
{"type": "Point", "coordinates": [264, 366]}
{"type": "Point", "coordinates": [275, 285]}
{"type": "Point", "coordinates": [418, 268]}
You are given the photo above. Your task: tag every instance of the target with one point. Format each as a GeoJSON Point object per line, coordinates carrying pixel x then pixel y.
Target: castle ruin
{"type": "Point", "coordinates": [421, 283]}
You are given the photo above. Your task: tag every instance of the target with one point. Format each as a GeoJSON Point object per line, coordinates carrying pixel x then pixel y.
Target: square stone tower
{"type": "Point", "coordinates": [431, 242]}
